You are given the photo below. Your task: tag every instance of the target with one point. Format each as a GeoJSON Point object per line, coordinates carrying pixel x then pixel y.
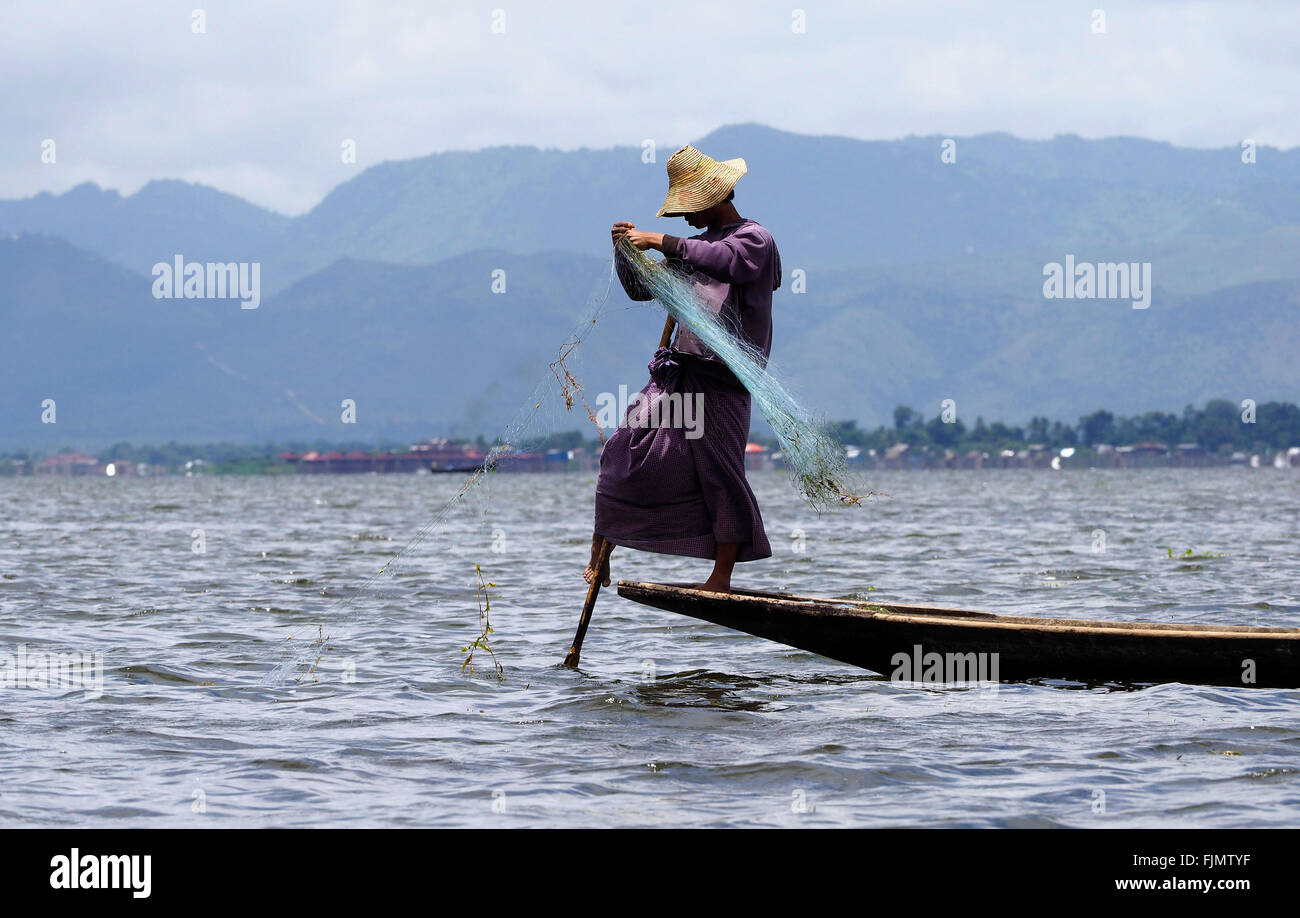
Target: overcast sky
{"type": "Point", "coordinates": [260, 103]}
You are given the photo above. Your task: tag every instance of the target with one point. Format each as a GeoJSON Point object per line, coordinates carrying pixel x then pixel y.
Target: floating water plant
{"type": "Point", "coordinates": [484, 640]}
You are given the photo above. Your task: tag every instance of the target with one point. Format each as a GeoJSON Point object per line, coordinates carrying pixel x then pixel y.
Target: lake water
{"type": "Point", "coordinates": [671, 721]}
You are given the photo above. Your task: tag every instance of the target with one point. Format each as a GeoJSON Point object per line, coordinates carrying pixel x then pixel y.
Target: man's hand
{"type": "Point", "coordinates": [639, 238]}
{"type": "Point", "coordinates": [643, 240]}
{"type": "Point", "coordinates": [621, 229]}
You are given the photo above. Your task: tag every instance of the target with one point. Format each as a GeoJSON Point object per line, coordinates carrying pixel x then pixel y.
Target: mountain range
{"type": "Point", "coordinates": [924, 281]}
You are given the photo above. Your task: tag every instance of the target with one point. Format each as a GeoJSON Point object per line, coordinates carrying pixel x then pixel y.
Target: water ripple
{"type": "Point", "coordinates": [671, 721]}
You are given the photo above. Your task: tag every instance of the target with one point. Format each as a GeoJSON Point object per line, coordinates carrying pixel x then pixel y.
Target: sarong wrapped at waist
{"type": "Point", "coordinates": [661, 490]}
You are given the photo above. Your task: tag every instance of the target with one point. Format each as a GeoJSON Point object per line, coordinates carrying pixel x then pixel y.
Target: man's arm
{"type": "Point", "coordinates": [642, 240]}
{"type": "Point", "coordinates": [741, 258]}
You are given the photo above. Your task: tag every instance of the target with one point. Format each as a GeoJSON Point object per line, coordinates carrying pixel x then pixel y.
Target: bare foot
{"type": "Point", "coordinates": [724, 561]}
{"type": "Point", "coordinates": [589, 574]}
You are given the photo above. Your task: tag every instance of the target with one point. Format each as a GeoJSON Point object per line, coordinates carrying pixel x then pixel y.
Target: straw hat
{"type": "Point", "coordinates": [696, 182]}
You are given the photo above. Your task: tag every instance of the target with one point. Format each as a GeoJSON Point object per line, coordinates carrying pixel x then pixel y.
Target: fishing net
{"type": "Point", "coordinates": [815, 460]}
{"type": "Point", "coordinates": [304, 646]}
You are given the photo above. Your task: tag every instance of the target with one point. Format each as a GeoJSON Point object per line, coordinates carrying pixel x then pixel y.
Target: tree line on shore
{"type": "Point", "coordinates": [1220, 426]}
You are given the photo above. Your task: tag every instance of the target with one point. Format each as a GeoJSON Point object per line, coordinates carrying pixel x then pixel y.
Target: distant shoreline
{"type": "Point", "coordinates": [760, 459]}
{"type": "Point", "coordinates": [1222, 433]}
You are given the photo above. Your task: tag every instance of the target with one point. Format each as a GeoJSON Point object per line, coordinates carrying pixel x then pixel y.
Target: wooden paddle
{"type": "Point", "coordinates": [606, 548]}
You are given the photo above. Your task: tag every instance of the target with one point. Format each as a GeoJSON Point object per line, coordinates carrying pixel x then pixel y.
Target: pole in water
{"type": "Point", "coordinates": [606, 548]}
{"type": "Point", "coordinates": [575, 651]}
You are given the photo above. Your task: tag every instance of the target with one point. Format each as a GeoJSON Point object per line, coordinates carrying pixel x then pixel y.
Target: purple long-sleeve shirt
{"type": "Point", "coordinates": [735, 269]}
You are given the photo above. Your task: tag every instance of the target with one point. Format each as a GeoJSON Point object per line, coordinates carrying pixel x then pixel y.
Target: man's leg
{"type": "Point", "coordinates": [597, 542]}
{"type": "Point", "coordinates": [724, 560]}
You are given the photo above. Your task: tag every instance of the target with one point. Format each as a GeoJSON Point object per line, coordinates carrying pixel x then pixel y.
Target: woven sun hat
{"type": "Point", "coordinates": [696, 182]}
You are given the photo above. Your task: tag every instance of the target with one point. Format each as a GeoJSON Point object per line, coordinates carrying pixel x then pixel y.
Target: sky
{"type": "Point", "coordinates": [260, 101]}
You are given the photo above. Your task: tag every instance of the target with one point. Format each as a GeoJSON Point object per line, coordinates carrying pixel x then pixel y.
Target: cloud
{"type": "Point", "coordinates": [260, 103]}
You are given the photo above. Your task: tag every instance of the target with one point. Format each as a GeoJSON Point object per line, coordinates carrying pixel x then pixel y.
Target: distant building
{"type": "Point", "coordinates": [440, 454]}
{"type": "Point", "coordinates": [1194, 455]}
{"type": "Point", "coordinates": [1142, 455]}
{"type": "Point", "coordinates": [757, 457]}
{"type": "Point", "coordinates": [896, 456]}
{"type": "Point", "coordinates": [437, 455]}
{"type": "Point", "coordinates": [583, 461]}
{"type": "Point", "coordinates": [521, 462]}
{"type": "Point", "coordinates": [69, 464]}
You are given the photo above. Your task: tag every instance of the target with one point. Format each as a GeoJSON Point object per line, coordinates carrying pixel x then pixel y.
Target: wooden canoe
{"type": "Point", "coordinates": [871, 635]}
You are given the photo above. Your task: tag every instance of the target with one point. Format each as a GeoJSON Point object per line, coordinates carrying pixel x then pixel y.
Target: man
{"type": "Point", "coordinates": [659, 489]}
